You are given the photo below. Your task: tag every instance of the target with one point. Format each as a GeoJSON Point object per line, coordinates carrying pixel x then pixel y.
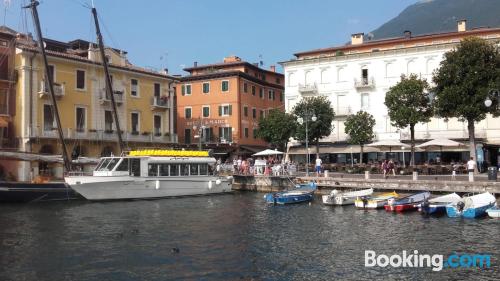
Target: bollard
{"type": "Point", "coordinates": [471, 176]}
{"type": "Point", "coordinates": [326, 173]}
{"type": "Point", "coordinates": [454, 175]}
{"type": "Point", "coordinates": [415, 175]}
{"type": "Point", "coordinates": [367, 175]}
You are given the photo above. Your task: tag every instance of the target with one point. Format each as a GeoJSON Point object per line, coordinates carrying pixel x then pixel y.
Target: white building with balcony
{"type": "Point", "coordinates": [357, 76]}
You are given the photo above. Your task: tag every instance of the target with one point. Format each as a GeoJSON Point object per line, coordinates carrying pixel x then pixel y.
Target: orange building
{"type": "Point", "coordinates": [221, 104]}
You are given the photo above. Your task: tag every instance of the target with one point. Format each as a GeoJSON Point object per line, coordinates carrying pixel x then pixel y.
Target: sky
{"type": "Point", "coordinates": [173, 34]}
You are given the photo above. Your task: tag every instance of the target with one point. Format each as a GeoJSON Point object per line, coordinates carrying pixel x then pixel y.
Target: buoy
{"type": "Point", "coordinates": [210, 185]}
{"type": "Point", "coordinates": [157, 186]}
{"type": "Point", "coordinates": [217, 182]}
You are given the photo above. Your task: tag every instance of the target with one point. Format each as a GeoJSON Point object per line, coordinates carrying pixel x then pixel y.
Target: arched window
{"type": "Point", "coordinates": [307, 77]}
{"type": "Point", "coordinates": [390, 70]}
{"type": "Point", "coordinates": [340, 74]}
{"type": "Point", "coordinates": [412, 67]}
{"type": "Point", "coordinates": [325, 78]}
{"type": "Point", "coordinates": [431, 66]}
{"type": "Point", "coordinates": [292, 81]}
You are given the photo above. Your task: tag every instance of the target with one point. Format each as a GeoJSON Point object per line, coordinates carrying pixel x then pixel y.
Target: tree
{"type": "Point", "coordinates": [408, 104]}
{"type": "Point", "coordinates": [359, 127]}
{"type": "Point", "coordinates": [277, 127]}
{"type": "Point", "coordinates": [322, 127]}
{"type": "Point", "coordinates": [463, 81]}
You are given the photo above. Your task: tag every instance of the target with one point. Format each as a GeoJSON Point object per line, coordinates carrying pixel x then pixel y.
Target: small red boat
{"type": "Point", "coordinates": [408, 203]}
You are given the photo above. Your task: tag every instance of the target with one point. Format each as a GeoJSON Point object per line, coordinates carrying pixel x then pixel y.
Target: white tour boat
{"type": "Point", "coordinates": [151, 174]}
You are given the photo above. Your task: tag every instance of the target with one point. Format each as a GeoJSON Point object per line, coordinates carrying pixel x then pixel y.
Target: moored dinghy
{"type": "Point", "coordinates": [471, 207]}
{"type": "Point", "coordinates": [438, 205]}
{"type": "Point", "coordinates": [493, 212]}
{"type": "Point", "coordinates": [408, 203]}
{"type": "Point", "coordinates": [302, 193]}
{"type": "Point", "coordinates": [374, 202]}
{"type": "Point", "coordinates": [345, 198]}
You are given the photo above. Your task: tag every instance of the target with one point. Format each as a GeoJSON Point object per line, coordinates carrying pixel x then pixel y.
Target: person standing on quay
{"type": "Point", "coordinates": [471, 166]}
{"type": "Point", "coordinates": [318, 165]}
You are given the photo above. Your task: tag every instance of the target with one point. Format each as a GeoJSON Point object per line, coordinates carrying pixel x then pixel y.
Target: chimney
{"type": "Point", "coordinates": [165, 71]}
{"type": "Point", "coordinates": [407, 34]}
{"type": "Point", "coordinates": [273, 68]}
{"type": "Point", "coordinates": [232, 59]}
{"type": "Point", "coordinates": [195, 64]}
{"type": "Point", "coordinates": [357, 38]}
{"type": "Point", "coordinates": [461, 25]}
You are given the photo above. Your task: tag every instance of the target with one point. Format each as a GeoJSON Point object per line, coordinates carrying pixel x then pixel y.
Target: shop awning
{"type": "Point", "coordinates": [331, 149]}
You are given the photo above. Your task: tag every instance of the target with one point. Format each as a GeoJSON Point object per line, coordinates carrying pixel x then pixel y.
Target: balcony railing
{"type": "Point", "coordinates": [364, 83]}
{"type": "Point", "coordinates": [159, 102]}
{"type": "Point", "coordinates": [59, 90]}
{"type": "Point", "coordinates": [309, 88]}
{"type": "Point", "coordinates": [343, 111]}
{"type": "Point", "coordinates": [104, 98]}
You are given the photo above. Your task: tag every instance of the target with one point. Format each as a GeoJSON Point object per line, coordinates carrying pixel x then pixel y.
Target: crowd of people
{"type": "Point", "coordinates": [271, 165]}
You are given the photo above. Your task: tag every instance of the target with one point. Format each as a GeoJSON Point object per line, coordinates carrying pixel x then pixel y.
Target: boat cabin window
{"type": "Point", "coordinates": [107, 164]}
{"type": "Point", "coordinates": [174, 170]}
{"type": "Point", "coordinates": [184, 170]}
{"type": "Point", "coordinates": [123, 166]}
{"type": "Point", "coordinates": [104, 162]}
{"type": "Point", "coordinates": [193, 169]}
{"type": "Point", "coordinates": [203, 169]}
{"type": "Point", "coordinates": [164, 170]}
{"type": "Point", "coordinates": [112, 163]}
{"type": "Point", "coordinates": [153, 170]}
{"type": "Point", "coordinates": [135, 167]}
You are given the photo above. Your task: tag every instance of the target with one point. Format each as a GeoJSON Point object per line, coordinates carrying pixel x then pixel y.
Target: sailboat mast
{"type": "Point", "coordinates": [109, 86]}
{"type": "Point", "coordinates": [48, 76]}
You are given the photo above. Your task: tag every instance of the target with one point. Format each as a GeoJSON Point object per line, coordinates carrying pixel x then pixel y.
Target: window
{"type": "Point", "coordinates": [261, 93]}
{"type": "Point", "coordinates": [324, 76]}
{"type": "Point", "coordinates": [278, 80]}
{"type": "Point", "coordinates": [245, 111]}
{"type": "Point", "coordinates": [225, 86]}
{"type": "Point", "coordinates": [254, 133]}
{"type": "Point", "coordinates": [184, 169]}
{"type": "Point", "coordinates": [134, 87]}
{"type": "Point", "coordinates": [135, 167]}
{"type": "Point", "coordinates": [108, 121]}
{"type": "Point", "coordinates": [186, 89]}
{"type": "Point", "coordinates": [193, 169]}
{"type": "Point", "coordinates": [187, 112]}
{"type": "Point", "coordinates": [262, 114]}
{"type": "Point", "coordinates": [365, 101]}
{"type": "Point", "coordinates": [246, 132]}
{"type": "Point", "coordinates": [80, 79]}
{"type": "Point", "coordinates": [157, 89]}
{"type": "Point", "coordinates": [187, 137]}
{"type": "Point", "coordinates": [253, 90]}
{"type": "Point", "coordinates": [280, 95]}
{"type": "Point", "coordinates": [206, 88]}
{"type": "Point", "coordinates": [390, 70]}
{"type": "Point", "coordinates": [174, 170]}
{"type": "Point", "coordinates": [164, 170]}
{"type": "Point", "coordinates": [157, 125]}
{"type": "Point", "coordinates": [292, 81]}
{"type": "Point", "coordinates": [123, 166]}
{"type": "Point", "coordinates": [270, 94]}
{"type": "Point", "coordinates": [206, 111]}
{"type": "Point", "coordinates": [48, 118]}
{"type": "Point", "coordinates": [134, 118]}
{"type": "Point", "coordinates": [153, 170]}
{"type": "Point", "coordinates": [203, 170]}
{"type": "Point", "coordinates": [245, 88]}
{"type": "Point", "coordinates": [254, 113]}
{"type": "Point", "coordinates": [225, 134]}
{"type": "Point", "coordinates": [80, 119]}
{"type": "Point", "coordinates": [364, 75]}
{"type": "Point", "coordinates": [341, 74]}
{"type": "Point", "coordinates": [225, 110]}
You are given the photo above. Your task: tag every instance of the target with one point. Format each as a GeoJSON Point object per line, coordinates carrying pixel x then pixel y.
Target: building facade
{"type": "Point", "coordinates": [143, 98]}
{"type": "Point", "coordinates": [221, 104]}
{"type": "Point", "coordinates": [356, 77]}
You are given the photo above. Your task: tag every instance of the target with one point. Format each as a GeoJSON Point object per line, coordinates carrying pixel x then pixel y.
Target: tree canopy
{"type": "Point", "coordinates": [277, 127]}
{"type": "Point", "coordinates": [322, 127]}
{"type": "Point", "coordinates": [359, 127]}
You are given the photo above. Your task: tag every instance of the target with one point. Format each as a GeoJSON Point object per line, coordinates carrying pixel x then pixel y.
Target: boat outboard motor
{"type": "Point", "coordinates": [425, 206]}
{"type": "Point", "coordinates": [460, 206]}
{"type": "Point", "coordinates": [365, 201]}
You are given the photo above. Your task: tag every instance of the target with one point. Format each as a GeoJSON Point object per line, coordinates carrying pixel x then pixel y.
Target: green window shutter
{"type": "Point", "coordinates": [220, 110]}
{"type": "Point", "coordinates": [183, 89]}
{"type": "Point", "coordinates": [230, 109]}
{"type": "Point", "coordinates": [220, 132]}
{"type": "Point", "coordinates": [188, 89]}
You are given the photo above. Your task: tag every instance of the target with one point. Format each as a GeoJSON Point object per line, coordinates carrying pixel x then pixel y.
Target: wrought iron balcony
{"type": "Point", "coordinates": [364, 83]}
{"type": "Point", "coordinates": [44, 90]}
{"type": "Point", "coordinates": [309, 88]}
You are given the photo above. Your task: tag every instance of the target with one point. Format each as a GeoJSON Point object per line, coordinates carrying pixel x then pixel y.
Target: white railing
{"type": "Point", "coordinates": [308, 88]}
{"type": "Point", "coordinates": [104, 97]}
{"type": "Point", "coordinates": [364, 82]}
{"type": "Point", "coordinates": [59, 90]}
{"type": "Point", "coordinates": [343, 111]}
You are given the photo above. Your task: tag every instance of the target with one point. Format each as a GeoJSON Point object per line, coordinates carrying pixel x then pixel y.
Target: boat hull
{"type": "Point", "coordinates": [493, 212]}
{"type": "Point", "coordinates": [470, 213]}
{"type": "Point", "coordinates": [370, 204]}
{"type": "Point", "coordinates": [338, 201]}
{"type": "Point", "coordinates": [276, 198]}
{"type": "Point", "coordinates": [17, 192]}
{"type": "Point", "coordinates": [433, 209]}
{"type": "Point", "coordinates": [126, 187]}
{"type": "Point", "coordinates": [401, 207]}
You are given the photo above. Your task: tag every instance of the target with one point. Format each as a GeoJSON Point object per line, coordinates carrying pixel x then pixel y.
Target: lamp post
{"type": "Point", "coordinates": [404, 163]}
{"type": "Point", "coordinates": [494, 94]}
{"type": "Point", "coordinates": [352, 159]}
{"type": "Point", "coordinates": [306, 116]}
{"type": "Point", "coordinates": [200, 129]}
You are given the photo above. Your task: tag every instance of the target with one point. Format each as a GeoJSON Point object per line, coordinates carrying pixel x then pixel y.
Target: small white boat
{"type": "Point", "coordinates": [345, 198]}
{"type": "Point", "coordinates": [374, 202]}
{"type": "Point", "coordinates": [493, 212]}
{"type": "Point", "coordinates": [438, 204]}
{"type": "Point", "coordinates": [471, 207]}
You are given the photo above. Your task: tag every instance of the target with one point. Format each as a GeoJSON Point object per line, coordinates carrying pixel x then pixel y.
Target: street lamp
{"type": "Point", "coordinates": [308, 115]}
{"type": "Point", "coordinates": [201, 128]}
{"type": "Point", "coordinates": [404, 163]}
{"type": "Point", "coordinates": [493, 94]}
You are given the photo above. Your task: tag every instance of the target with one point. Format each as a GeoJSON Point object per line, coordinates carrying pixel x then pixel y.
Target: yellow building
{"type": "Point", "coordinates": [144, 104]}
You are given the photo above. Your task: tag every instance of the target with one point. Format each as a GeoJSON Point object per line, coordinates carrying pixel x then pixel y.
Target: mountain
{"type": "Point", "coordinates": [435, 16]}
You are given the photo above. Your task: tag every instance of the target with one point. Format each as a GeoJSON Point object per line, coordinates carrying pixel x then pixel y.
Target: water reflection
{"type": "Point", "coordinates": [226, 237]}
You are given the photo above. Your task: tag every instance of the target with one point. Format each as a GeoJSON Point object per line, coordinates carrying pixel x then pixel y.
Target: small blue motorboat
{"type": "Point", "coordinates": [301, 193]}
{"type": "Point", "coordinates": [472, 206]}
{"type": "Point", "coordinates": [437, 206]}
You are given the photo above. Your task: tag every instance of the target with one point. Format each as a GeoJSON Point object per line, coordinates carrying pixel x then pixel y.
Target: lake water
{"type": "Point", "coordinates": [229, 237]}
